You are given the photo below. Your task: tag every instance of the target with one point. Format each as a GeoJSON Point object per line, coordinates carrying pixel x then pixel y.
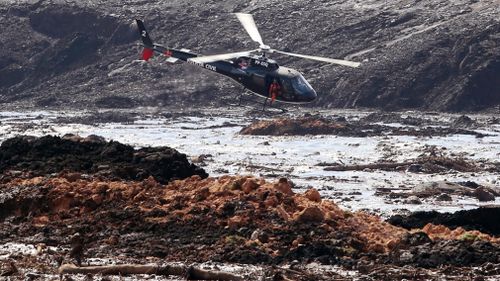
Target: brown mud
{"type": "Point", "coordinates": [230, 219]}
{"type": "Point", "coordinates": [366, 127]}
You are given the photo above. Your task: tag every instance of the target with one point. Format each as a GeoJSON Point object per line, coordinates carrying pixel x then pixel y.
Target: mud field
{"type": "Point", "coordinates": [332, 195]}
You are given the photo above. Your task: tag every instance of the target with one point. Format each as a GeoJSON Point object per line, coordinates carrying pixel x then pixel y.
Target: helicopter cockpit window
{"type": "Point", "coordinates": [287, 92]}
{"type": "Point", "coordinates": [300, 84]}
{"type": "Point", "coordinates": [287, 84]}
{"type": "Point", "coordinates": [243, 63]}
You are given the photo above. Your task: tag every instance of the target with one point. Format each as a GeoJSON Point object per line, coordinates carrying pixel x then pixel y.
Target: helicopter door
{"type": "Point", "coordinates": [258, 82]}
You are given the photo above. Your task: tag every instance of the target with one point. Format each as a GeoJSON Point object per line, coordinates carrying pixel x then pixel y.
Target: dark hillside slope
{"type": "Point", "coordinates": [430, 54]}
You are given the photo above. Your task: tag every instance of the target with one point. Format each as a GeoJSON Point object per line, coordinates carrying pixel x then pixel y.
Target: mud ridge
{"type": "Point", "coordinates": [366, 127]}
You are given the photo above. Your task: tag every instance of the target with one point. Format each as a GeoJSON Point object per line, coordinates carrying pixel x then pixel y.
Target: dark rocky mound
{"type": "Point", "coordinates": [430, 54]}
{"type": "Point", "coordinates": [483, 219]}
{"type": "Point", "coordinates": [464, 121]}
{"type": "Point", "coordinates": [49, 154]}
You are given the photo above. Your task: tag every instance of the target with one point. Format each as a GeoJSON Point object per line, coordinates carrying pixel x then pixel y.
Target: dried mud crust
{"type": "Point", "coordinates": [318, 125]}
{"type": "Point", "coordinates": [228, 219]}
{"type": "Point", "coordinates": [49, 154]}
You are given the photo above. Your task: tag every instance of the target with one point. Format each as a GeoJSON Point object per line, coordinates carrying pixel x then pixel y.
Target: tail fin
{"type": "Point", "coordinates": [146, 40]}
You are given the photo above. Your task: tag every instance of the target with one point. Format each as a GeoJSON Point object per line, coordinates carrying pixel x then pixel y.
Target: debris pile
{"type": "Point", "coordinates": [239, 219]}
{"type": "Point", "coordinates": [231, 219]}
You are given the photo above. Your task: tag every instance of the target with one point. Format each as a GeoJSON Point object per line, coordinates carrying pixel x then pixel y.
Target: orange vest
{"type": "Point", "coordinates": [274, 89]}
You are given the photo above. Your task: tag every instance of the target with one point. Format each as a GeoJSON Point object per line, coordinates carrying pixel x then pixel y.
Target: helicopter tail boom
{"type": "Point", "coordinates": [148, 51]}
{"type": "Point", "coordinates": [150, 48]}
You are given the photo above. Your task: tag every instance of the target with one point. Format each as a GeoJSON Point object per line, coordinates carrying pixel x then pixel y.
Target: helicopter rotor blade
{"type": "Point", "coordinates": [316, 58]}
{"type": "Point", "coordinates": [250, 26]}
{"type": "Point", "coordinates": [218, 57]}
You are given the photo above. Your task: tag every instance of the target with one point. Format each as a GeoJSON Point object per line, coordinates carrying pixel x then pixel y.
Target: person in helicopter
{"type": "Point", "coordinates": [243, 64]}
{"type": "Point", "coordinates": [274, 90]}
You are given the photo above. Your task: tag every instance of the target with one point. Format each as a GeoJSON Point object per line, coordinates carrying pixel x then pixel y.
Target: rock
{"type": "Point", "coordinates": [255, 234]}
{"type": "Point", "coordinates": [8, 268]}
{"type": "Point", "coordinates": [237, 221]}
{"type": "Point", "coordinates": [483, 194]}
{"type": "Point", "coordinates": [312, 214]}
{"type": "Point", "coordinates": [260, 235]}
{"type": "Point", "coordinates": [284, 186]}
{"type": "Point", "coordinates": [97, 199]}
{"type": "Point", "coordinates": [313, 195]}
{"type": "Point", "coordinates": [414, 168]}
{"type": "Point", "coordinates": [94, 139]}
{"type": "Point", "coordinates": [271, 201]}
{"type": "Point", "coordinates": [463, 121]}
{"type": "Point", "coordinates": [444, 197]}
{"type": "Point", "coordinates": [249, 185]}
{"type": "Point", "coordinates": [413, 200]}
{"type": "Point", "coordinates": [298, 241]}
{"type": "Point", "coordinates": [72, 177]}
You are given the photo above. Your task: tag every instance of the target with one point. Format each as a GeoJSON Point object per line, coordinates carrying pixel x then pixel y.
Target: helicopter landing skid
{"type": "Point", "coordinates": [247, 100]}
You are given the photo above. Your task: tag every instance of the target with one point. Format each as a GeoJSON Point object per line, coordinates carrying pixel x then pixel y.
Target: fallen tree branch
{"type": "Point", "coordinates": [191, 272]}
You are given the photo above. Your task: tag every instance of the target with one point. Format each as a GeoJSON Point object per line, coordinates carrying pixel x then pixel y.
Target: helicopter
{"type": "Point", "coordinates": [252, 69]}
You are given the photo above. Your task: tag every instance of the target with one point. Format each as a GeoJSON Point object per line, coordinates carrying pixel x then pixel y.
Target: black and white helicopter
{"type": "Point", "coordinates": [253, 69]}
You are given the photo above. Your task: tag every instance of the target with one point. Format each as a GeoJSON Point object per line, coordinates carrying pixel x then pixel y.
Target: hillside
{"type": "Point", "coordinates": [430, 54]}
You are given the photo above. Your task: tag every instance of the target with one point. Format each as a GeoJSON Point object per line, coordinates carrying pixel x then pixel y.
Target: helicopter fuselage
{"type": "Point", "coordinates": [256, 73]}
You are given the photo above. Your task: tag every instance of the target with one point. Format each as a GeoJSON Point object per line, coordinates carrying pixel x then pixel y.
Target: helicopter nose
{"type": "Point", "coordinates": [311, 95]}
{"type": "Point", "coordinates": [308, 96]}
